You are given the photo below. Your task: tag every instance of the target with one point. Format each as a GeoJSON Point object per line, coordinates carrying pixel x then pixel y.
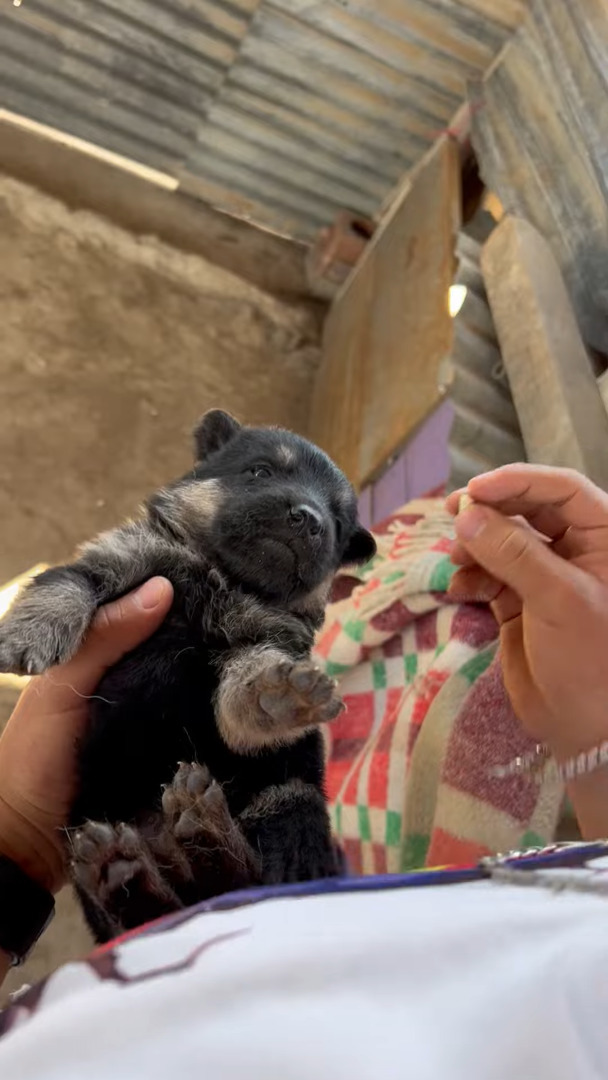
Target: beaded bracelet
{"type": "Point", "coordinates": [539, 762]}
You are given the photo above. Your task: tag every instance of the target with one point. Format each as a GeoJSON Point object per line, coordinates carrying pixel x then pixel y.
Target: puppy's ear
{"type": "Point", "coordinates": [212, 432]}
{"type": "Point", "coordinates": [360, 548]}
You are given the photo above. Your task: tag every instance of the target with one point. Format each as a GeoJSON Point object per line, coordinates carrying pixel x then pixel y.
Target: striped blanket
{"type": "Point", "coordinates": [410, 761]}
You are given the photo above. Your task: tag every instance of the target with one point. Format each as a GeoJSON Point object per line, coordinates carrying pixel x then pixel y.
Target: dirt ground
{"type": "Point", "coordinates": [111, 347]}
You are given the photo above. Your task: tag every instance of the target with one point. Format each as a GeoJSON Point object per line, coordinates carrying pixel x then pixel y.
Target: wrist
{"type": "Point", "coordinates": [38, 854]}
{"type": "Point", "coordinates": [588, 792]}
{"type": "Point", "coordinates": [569, 744]}
{"type": "Point", "coordinates": [5, 964]}
{"type": "Point", "coordinates": [589, 797]}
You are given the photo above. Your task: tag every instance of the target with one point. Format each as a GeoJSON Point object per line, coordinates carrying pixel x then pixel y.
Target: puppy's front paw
{"type": "Point", "coordinates": [30, 648]}
{"type": "Point", "coordinates": [45, 627]}
{"type": "Point", "coordinates": [297, 694]}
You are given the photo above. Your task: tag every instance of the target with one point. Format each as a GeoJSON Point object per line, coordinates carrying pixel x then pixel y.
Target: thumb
{"type": "Point", "coordinates": [117, 629]}
{"type": "Point", "coordinates": [517, 557]}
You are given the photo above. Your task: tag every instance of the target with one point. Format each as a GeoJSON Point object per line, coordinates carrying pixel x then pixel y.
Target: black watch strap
{"type": "Point", "coordinates": [26, 909]}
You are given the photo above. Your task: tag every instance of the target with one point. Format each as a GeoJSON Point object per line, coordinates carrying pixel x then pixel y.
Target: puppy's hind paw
{"type": "Point", "coordinates": [198, 818]}
{"type": "Point", "coordinates": [114, 868]}
{"type": "Point", "coordinates": [194, 804]}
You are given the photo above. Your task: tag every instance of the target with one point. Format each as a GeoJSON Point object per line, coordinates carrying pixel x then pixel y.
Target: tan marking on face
{"type": "Point", "coordinates": [315, 601]}
{"type": "Point", "coordinates": [190, 508]}
{"type": "Point", "coordinates": [203, 498]}
{"type": "Point", "coordinates": [285, 454]}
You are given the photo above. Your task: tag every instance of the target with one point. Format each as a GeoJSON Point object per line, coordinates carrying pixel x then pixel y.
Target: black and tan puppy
{"type": "Point", "coordinates": [251, 540]}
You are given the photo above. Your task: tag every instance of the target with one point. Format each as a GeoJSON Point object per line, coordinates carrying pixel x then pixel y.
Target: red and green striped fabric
{"type": "Point", "coordinates": [410, 761]}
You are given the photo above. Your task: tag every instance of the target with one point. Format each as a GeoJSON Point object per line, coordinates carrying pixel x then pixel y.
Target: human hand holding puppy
{"type": "Point", "coordinates": [534, 545]}
{"type": "Point", "coordinates": [38, 748]}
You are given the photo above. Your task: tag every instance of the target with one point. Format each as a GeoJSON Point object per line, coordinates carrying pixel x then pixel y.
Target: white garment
{"type": "Point", "coordinates": [452, 982]}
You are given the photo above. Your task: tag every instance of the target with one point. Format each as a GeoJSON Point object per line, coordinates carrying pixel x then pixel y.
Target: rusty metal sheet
{"type": "Point", "coordinates": [539, 127]}
{"type": "Point", "coordinates": [278, 110]}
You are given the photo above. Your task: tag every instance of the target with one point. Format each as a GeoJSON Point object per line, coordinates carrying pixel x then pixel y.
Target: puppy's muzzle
{"type": "Point", "coordinates": [305, 520]}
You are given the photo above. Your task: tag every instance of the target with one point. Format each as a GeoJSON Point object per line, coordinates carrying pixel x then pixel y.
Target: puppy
{"type": "Point", "coordinates": [250, 539]}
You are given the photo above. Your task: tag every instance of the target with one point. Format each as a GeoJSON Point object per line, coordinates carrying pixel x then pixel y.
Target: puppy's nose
{"type": "Point", "coordinates": [304, 518]}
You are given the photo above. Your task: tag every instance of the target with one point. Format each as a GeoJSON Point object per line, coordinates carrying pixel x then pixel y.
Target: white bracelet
{"type": "Point", "coordinates": [539, 762]}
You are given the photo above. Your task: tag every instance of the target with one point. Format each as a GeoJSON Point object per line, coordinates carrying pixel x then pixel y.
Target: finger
{"type": "Point", "coordinates": [472, 585]}
{"type": "Point", "coordinates": [117, 629]}
{"type": "Point", "coordinates": [460, 556]}
{"type": "Point", "coordinates": [475, 586]}
{"type": "Point", "coordinates": [506, 606]}
{"type": "Point", "coordinates": [517, 558]}
{"type": "Point", "coordinates": [552, 500]}
{"type": "Point", "coordinates": [578, 542]}
{"type": "Point", "coordinates": [525, 698]}
{"type": "Point", "coordinates": [452, 501]}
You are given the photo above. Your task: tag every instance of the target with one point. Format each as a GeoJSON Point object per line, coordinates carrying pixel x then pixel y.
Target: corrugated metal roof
{"type": "Point", "coordinates": [539, 128]}
{"type": "Point", "coordinates": [282, 112]}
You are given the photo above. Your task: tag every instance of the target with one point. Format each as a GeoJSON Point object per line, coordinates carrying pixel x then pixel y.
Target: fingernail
{"type": "Point", "coordinates": [470, 523]}
{"type": "Point", "coordinates": [152, 592]}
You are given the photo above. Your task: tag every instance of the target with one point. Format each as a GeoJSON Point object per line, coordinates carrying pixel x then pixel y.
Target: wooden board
{"type": "Point", "coordinates": [560, 410]}
{"type": "Point", "coordinates": [389, 328]}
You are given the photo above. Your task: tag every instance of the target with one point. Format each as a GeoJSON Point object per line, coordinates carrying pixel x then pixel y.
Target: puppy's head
{"type": "Point", "coordinates": [268, 507]}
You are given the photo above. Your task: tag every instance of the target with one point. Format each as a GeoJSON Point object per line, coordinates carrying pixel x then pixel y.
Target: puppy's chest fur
{"type": "Point", "coordinates": [157, 706]}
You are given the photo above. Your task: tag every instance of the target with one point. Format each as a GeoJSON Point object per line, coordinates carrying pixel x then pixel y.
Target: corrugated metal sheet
{"type": "Point", "coordinates": [282, 112]}
{"type": "Point", "coordinates": [485, 432]}
{"type": "Point", "coordinates": [540, 121]}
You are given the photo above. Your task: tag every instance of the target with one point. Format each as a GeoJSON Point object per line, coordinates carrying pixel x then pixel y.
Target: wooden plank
{"type": "Point", "coordinates": [389, 328]}
{"type": "Point", "coordinates": [560, 410]}
{"type": "Point", "coordinates": [337, 404]}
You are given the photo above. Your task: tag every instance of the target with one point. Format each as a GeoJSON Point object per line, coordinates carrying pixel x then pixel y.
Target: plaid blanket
{"type": "Point", "coordinates": [410, 761]}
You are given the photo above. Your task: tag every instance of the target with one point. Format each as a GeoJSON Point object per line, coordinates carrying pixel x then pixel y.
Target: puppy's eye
{"type": "Point", "coordinates": [260, 472]}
